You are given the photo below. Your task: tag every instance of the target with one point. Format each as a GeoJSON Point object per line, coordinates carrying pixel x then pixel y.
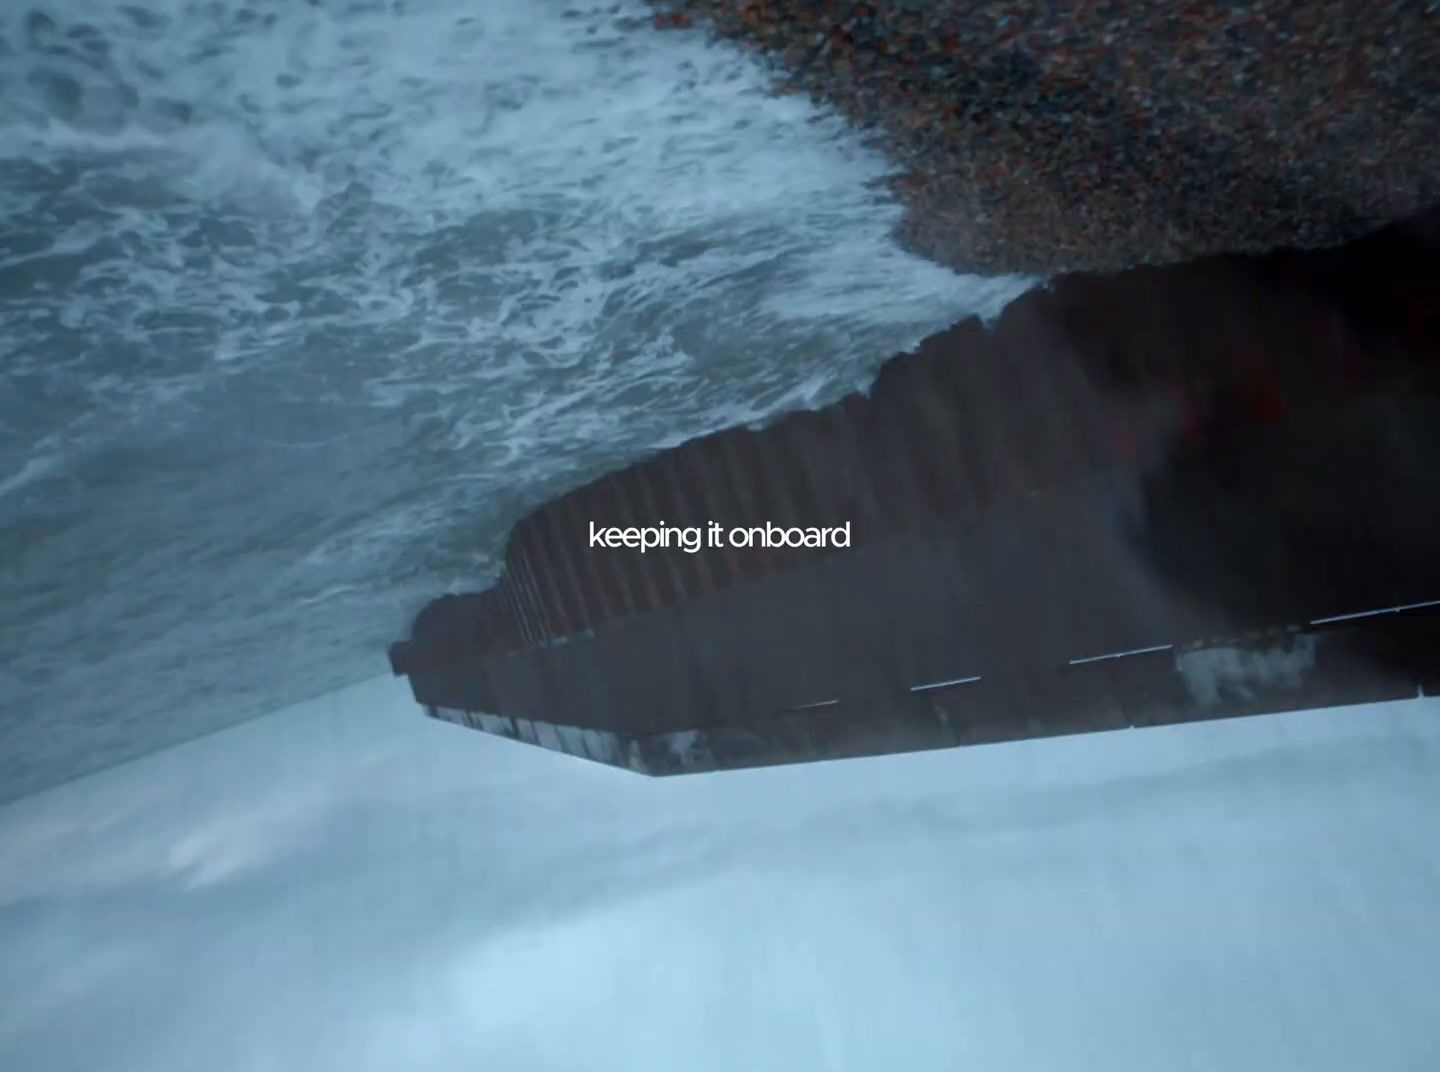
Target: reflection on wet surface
{"type": "Point", "coordinates": [1159, 496]}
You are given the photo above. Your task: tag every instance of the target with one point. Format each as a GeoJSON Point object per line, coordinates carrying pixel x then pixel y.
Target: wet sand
{"type": "Point", "coordinates": [1046, 138]}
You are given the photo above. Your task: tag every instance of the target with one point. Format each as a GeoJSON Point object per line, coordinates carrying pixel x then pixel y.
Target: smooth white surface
{"type": "Point", "coordinates": [348, 886]}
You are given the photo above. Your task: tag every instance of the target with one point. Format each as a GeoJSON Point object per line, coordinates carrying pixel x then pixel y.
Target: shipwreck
{"type": "Point", "coordinates": [1160, 496]}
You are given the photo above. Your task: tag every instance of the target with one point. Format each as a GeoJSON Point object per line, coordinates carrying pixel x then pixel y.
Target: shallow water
{"type": "Point", "coordinates": [302, 305]}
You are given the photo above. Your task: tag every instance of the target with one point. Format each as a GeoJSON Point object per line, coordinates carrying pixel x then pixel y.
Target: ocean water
{"type": "Point", "coordinates": [303, 304]}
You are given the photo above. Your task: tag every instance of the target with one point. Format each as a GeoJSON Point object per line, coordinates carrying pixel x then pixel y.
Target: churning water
{"type": "Point", "coordinates": [302, 304]}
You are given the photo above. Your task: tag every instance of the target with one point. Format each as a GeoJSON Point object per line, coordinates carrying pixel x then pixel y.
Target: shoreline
{"type": "Point", "coordinates": [1112, 135]}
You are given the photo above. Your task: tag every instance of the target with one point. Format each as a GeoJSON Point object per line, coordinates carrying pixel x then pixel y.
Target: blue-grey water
{"type": "Point", "coordinates": [302, 304]}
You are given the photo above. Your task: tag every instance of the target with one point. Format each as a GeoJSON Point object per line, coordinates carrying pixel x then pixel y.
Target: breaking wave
{"type": "Point", "coordinates": [301, 305]}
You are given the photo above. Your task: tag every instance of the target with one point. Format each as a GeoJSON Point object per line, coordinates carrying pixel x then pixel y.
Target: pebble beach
{"type": "Point", "coordinates": [1096, 135]}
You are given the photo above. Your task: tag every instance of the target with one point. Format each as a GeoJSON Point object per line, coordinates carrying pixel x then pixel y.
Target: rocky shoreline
{"type": "Point", "coordinates": [1045, 138]}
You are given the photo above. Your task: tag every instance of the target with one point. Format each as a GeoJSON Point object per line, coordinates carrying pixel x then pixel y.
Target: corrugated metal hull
{"type": "Point", "coordinates": [1173, 469]}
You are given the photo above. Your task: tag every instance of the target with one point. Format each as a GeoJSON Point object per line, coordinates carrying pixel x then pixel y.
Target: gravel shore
{"type": "Point", "coordinates": [1100, 134]}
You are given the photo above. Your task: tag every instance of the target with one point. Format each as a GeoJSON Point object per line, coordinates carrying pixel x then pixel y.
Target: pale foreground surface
{"type": "Point", "coordinates": [347, 886]}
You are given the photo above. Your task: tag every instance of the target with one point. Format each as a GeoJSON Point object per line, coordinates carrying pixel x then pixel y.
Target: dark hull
{"type": "Point", "coordinates": [1136, 500]}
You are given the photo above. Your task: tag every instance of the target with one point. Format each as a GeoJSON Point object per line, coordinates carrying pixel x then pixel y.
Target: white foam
{"type": "Point", "coordinates": [338, 281]}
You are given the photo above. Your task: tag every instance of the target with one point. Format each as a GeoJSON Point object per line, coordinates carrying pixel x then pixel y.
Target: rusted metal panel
{"type": "Point", "coordinates": [1136, 500]}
